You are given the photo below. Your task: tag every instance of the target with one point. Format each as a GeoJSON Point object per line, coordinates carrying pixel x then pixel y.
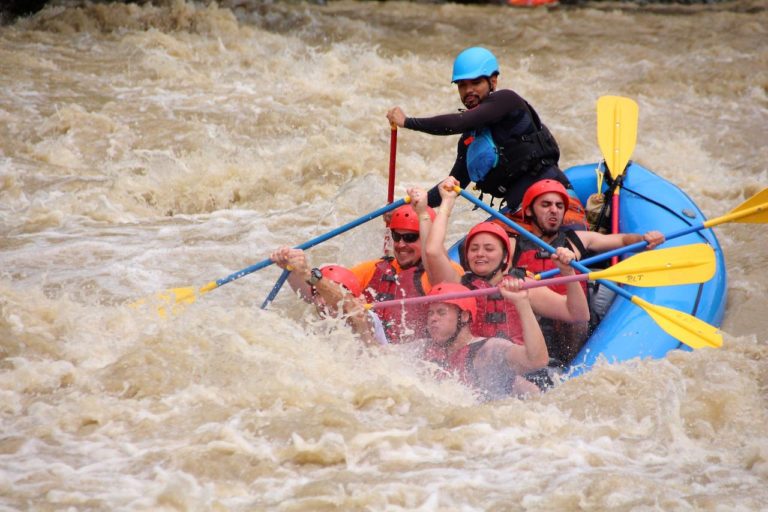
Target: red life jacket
{"type": "Point", "coordinates": [387, 284]}
{"type": "Point", "coordinates": [561, 338]}
{"type": "Point", "coordinates": [461, 364]}
{"type": "Point", "coordinates": [530, 257]}
{"type": "Point", "coordinates": [496, 317]}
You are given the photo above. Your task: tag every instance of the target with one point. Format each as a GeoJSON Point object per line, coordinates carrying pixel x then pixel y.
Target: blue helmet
{"type": "Point", "coordinates": [473, 63]}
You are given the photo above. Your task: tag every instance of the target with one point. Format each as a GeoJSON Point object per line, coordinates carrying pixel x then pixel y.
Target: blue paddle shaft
{"type": "Point", "coordinates": [311, 243]}
{"type": "Point", "coordinates": [276, 288]}
{"type": "Point", "coordinates": [365, 218]}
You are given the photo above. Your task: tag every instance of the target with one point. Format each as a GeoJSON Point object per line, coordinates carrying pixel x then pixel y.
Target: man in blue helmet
{"type": "Point", "coordinates": [504, 147]}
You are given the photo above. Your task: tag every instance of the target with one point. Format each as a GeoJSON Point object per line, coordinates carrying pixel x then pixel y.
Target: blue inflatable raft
{"type": "Point", "coordinates": [648, 202]}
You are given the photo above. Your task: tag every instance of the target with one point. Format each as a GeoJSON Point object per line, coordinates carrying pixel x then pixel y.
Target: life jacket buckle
{"type": "Point", "coordinates": [496, 317]}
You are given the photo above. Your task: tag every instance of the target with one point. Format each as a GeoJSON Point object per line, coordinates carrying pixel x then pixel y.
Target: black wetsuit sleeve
{"type": "Point", "coordinates": [490, 111]}
{"type": "Point", "coordinates": [433, 197]}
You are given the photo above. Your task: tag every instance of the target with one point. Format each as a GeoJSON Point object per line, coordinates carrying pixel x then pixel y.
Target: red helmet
{"type": "Point", "coordinates": [405, 218]}
{"type": "Point", "coordinates": [542, 187]}
{"type": "Point", "coordinates": [464, 303]}
{"type": "Point", "coordinates": [342, 276]}
{"type": "Point", "coordinates": [493, 229]}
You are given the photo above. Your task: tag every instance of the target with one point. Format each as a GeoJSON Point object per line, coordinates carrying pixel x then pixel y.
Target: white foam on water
{"type": "Point", "coordinates": [145, 148]}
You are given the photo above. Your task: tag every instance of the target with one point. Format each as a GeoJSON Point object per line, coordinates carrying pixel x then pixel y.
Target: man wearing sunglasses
{"type": "Point", "coordinates": [403, 275]}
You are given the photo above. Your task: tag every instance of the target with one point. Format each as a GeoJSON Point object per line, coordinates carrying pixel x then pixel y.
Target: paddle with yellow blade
{"type": "Point", "coordinates": [616, 136]}
{"type": "Point", "coordinates": [664, 267]}
{"type": "Point", "coordinates": [752, 211]}
{"type": "Point", "coordinates": [175, 298]}
{"type": "Point", "coordinates": [686, 328]}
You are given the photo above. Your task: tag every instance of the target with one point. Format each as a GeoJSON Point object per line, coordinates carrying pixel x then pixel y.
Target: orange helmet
{"type": "Point", "coordinates": [342, 276]}
{"type": "Point", "coordinates": [542, 187]}
{"type": "Point", "coordinates": [405, 218]}
{"type": "Point", "coordinates": [493, 229]}
{"type": "Point", "coordinates": [464, 303]}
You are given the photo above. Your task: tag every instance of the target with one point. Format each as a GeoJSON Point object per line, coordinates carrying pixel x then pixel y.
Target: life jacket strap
{"type": "Point", "coordinates": [496, 317]}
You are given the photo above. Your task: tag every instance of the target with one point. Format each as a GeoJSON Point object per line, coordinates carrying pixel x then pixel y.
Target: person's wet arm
{"type": "Point", "coordinates": [575, 299]}
{"type": "Point", "coordinates": [533, 354]}
{"type": "Point", "coordinates": [490, 111]}
{"type": "Point", "coordinates": [571, 307]}
{"type": "Point", "coordinates": [438, 264]}
{"type": "Point", "coordinates": [294, 261]}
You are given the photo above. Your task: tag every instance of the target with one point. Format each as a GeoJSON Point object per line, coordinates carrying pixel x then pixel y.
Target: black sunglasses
{"type": "Point", "coordinates": [408, 238]}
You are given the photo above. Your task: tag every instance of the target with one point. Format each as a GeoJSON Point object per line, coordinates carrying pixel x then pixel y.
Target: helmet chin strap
{"type": "Point", "coordinates": [452, 339]}
{"type": "Point", "coordinates": [498, 269]}
{"type": "Point", "coordinates": [459, 326]}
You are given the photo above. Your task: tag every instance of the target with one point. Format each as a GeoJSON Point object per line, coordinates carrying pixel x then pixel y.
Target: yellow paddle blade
{"type": "Point", "coordinates": [185, 295]}
{"type": "Point", "coordinates": [752, 211]}
{"type": "Point", "coordinates": [173, 299]}
{"type": "Point", "coordinates": [687, 264]}
{"type": "Point", "coordinates": [616, 131]}
{"type": "Point", "coordinates": [686, 328]}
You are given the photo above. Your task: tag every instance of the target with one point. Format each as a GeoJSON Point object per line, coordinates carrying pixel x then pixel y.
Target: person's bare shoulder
{"type": "Point", "coordinates": [493, 350]}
